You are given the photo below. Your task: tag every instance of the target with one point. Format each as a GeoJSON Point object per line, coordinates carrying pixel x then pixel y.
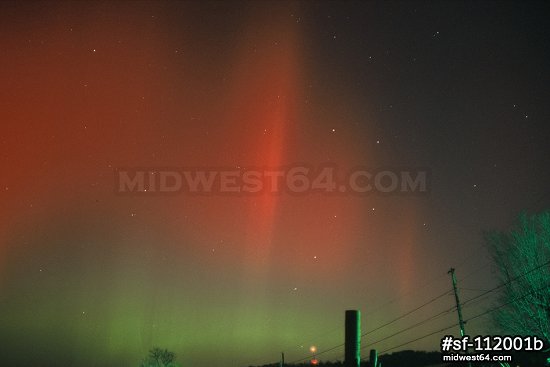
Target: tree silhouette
{"type": "Point", "coordinates": [159, 358]}
{"type": "Point", "coordinates": [522, 257]}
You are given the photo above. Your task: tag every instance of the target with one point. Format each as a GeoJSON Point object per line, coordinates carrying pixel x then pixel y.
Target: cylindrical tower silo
{"type": "Point", "coordinates": [353, 338]}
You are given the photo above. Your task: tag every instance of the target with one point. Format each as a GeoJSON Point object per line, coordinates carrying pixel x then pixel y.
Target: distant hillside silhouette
{"type": "Point", "coordinates": [408, 358]}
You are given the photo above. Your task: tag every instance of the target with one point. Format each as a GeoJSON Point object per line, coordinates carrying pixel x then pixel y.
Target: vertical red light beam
{"type": "Point", "coordinates": [263, 106]}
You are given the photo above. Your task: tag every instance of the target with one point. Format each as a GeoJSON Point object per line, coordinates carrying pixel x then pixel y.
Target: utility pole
{"type": "Point", "coordinates": [458, 306]}
{"type": "Point", "coordinates": [282, 359]}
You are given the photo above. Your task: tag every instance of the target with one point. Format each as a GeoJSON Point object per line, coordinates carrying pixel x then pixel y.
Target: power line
{"type": "Point", "coordinates": [410, 327]}
{"type": "Point", "coordinates": [447, 292]}
{"type": "Point", "coordinates": [505, 283]}
{"type": "Point", "coordinates": [508, 303]}
{"type": "Point", "coordinates": [384, 325]}
{"type": "Point", "coordinates": [475, 271]}
{"type": "Point", "coordinates": [478, 315]}
{"type": "Point", "coordinates": [407, 313]}
{"type": "Point", "coordinates": [477, 301]}
{"type": "Point", "coordinates": [420, 338]}
{"type": "Point", "coordinates": [472, 289]}
{"type": "Point", "coordinates": [471, 318]}
{"type": "Point", "coordinates": [381, 326]}
{"type": "Point", "coordinates": [467, 302]}
{"type": "Point", "coordinates": [382, 306]}
{"type": "Point", "coordinates": [437, 316]}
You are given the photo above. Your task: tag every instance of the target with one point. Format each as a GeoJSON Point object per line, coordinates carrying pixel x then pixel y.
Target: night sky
{"type": "Point", "coordinates": [89, 277]}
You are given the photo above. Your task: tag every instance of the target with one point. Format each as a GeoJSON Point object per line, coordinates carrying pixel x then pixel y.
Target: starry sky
{"type": "Point", "coordinates": [89, 277]}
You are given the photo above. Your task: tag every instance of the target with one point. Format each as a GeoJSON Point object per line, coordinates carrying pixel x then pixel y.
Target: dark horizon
{"type": "Point", "coordinates": [92, 275]}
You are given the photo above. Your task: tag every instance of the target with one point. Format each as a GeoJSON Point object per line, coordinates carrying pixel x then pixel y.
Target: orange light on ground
{"type": "Point", "coordinates": [314, 362]}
